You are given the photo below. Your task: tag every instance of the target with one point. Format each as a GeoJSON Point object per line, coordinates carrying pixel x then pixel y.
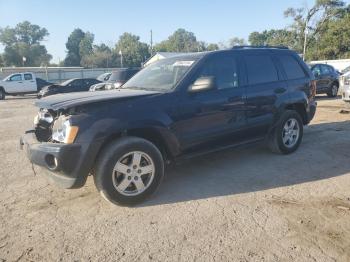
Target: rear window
{"type": "Point", "coordinates": [291, 67]}
{"type": "Point", "coordinates": [260, 69]}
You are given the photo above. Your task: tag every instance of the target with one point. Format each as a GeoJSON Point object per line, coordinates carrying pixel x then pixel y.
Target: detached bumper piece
{"type": "Point", "coordinates": [57, 161]}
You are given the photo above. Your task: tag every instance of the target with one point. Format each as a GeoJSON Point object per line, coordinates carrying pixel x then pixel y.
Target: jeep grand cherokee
{"type": "Point", "coordinates": [174, 108]}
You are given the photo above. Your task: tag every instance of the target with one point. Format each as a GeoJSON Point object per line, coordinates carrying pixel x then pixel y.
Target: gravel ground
{"type": "Point", "coordinates": [238, 205]}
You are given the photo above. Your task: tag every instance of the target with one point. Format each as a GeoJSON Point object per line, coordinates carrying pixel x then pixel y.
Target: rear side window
{"type": "Point", "coordinates": [28, 77]}
{"type": "Point", "coordinates": [326, 69]}
{"type": "Point", "coordinates": [291, 67]}
{"type": "Point", "coordinates": [260, 69]}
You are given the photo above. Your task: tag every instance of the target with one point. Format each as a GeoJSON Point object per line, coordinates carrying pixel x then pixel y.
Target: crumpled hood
{"type": "Point", "coordinates": [65, 101]}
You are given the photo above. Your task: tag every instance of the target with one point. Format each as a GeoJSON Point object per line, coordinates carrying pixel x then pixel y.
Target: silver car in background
{"type": "Point", "coordinates": [345, 84]}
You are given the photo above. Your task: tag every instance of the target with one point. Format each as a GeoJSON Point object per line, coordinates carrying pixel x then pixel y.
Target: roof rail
{"type": "Point", "coordinates": [259, 46]}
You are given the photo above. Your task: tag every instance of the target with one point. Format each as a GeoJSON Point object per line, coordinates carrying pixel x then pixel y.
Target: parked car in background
{"type": "Point", "coordinates": [345, 84]}
{"type": "Point", "coordinates": [119, 77]}
{"type": "Point", "coordinates": [71, 85]}
{"type": "Point", "coordinates": [21, 83]}
{"type": "Point", "coordinates": [101, 86]}
{"type": "Point", "coordinates": [174, 108]}
{"type": "Point", "coordinates": [104, 77]}
{"type": "Point", "coordinates": [327, 79]}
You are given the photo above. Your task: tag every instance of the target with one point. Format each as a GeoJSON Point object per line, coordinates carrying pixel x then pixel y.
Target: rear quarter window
{"type": "Point", "coordinates": [28, 77]}
{"type": "Point", "coordinates": [260, 69]}
{"type": "Point", "coordinates": [291, 67]}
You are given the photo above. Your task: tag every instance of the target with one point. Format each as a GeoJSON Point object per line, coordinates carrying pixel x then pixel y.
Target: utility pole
{"type": "Point", "coordinates": [151, 43]}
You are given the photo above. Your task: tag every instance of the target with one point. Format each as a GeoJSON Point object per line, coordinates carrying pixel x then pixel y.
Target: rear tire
{"type": "Point", "coordinates": [334, 91]}
{"type": "Point", "coordinates": [287, 135]}
{"type": "Point", "coordinates": [128, 171]}
{"type": "Point", "coordinates": [2, 94]}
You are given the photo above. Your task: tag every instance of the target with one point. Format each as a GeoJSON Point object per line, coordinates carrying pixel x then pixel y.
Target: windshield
{"type": "Point", "coordinates": [66, 82]}
{"type": "Point", "coordinates": [346, 70]}
{"type": "Point", "coordinates": [162, 75]}
{"type": "Point", "coordinates": [103, 77]}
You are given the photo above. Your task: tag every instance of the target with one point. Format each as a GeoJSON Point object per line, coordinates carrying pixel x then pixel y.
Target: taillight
{"type": "Point", "coordinates": [313, 88]}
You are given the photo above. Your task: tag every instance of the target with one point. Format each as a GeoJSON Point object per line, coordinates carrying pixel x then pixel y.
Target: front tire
{"type": "Point", "coordinates": [334, 91]}
{"type": "Point", "coordinates": [287, 135]}
{"type": "Point", "coordinates": [128, 171]}
{"type": "Point", "coordinates": [2, 94]}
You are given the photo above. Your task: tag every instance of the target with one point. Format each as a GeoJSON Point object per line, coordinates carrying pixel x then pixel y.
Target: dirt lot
{"type": "Point", "coordinates": [237, 205]}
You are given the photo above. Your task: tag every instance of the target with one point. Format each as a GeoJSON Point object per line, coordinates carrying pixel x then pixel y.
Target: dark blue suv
{"type": "Point", "coordinates": [175, 108]}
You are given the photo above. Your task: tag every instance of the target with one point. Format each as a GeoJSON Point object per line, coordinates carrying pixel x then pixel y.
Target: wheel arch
{"type": "Point", "coordinates": [300, 109]}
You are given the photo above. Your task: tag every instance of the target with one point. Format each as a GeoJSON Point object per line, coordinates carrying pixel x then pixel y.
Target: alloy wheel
{"type": "Point", "coordinates": [133, 173]}
{"type": "Point", "coordinates": [290, 132]}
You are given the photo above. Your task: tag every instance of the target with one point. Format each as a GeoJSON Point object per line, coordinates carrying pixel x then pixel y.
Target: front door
{"type": "Point", "coordinates": [15, 84]}
{"type": "Point", "coordinates": [211, 114]}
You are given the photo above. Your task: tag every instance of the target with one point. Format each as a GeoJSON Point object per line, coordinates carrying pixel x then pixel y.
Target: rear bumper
{"type": "Point", "coordinates": [346, 93]}
{"type": "Point", "coordinates": [311, 110]}
{"type": "Point", "coordinates": [67, 165]}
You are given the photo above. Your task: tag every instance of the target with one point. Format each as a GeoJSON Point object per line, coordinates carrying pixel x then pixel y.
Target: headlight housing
{"type": "Point", "coordinates": [347, 80]}
{"type": "Point", "coordinates": [63, 131]}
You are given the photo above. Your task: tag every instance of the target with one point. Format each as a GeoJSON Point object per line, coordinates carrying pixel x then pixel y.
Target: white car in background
{"type": "Point", "coordinates": [21, 83]}
{"type": "Point", "coordinates": [345, 84]}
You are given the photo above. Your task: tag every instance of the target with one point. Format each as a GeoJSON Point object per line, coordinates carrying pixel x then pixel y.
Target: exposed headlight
{"type": "Point", "coordinates": [347, 80]}
{"type": "Point", "coordinates": [63, 131]}
{"type": "Point", "coordinates": [117, 85]}
{"type": "Point", "coordinates": [43, 115]}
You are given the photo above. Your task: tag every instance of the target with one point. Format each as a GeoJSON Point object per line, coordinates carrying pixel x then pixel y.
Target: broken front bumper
{"type": "Point", "coordinates": [62, 163]}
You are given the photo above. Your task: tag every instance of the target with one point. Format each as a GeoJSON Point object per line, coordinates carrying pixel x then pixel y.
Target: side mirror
{"type": "Point", "coordinates": [317, 73]}
{"type": "Point", "coordinates": [202, 84]}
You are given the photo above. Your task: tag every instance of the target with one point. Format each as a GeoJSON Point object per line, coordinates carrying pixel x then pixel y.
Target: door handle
{"type": "Point", "coordinates": [280, 90]}
{"type": "Point", "coordinates": [20, 82]}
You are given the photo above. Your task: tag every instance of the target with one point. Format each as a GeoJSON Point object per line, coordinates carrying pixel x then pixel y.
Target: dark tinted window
{"type": "Point", "coordinates": [224, 69]}
{"type": "Point", "coordinates": [28, 77]}
{"type": "Point", "coordinates": [76, 83]}
{"type": "Point", "coordinates": [326, 69]}
{"type": "Point", "coordinates": [260, 69]}
{"type": "Point", "coordinates": [291, 67]}
{"type": "Point", "coordinates": [16, 78]}
{"type": "Point", "coordinates": [316, 70]}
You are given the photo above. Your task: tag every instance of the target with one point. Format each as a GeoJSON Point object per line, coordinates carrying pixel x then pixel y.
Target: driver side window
{"type": "Point", "coordinates": [224, 69]}
{"type": "Point", "coordinates": [17, 77]}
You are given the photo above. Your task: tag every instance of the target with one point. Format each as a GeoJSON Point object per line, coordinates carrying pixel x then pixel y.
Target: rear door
{"type": "Point", "coordinates": [29, 83]}
{"type": "Point", "coordinates": [264, 87]}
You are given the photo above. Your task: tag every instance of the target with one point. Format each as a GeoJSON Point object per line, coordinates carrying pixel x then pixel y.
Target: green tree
{"type": "Point", "coordinates": [334, 42]}
{"type": "Point", "coordinates": [279, 37]}
{"type": "Point", "coordinates": [24, 41]}
{"type": "Point", "coordinates": [86, 45]}
{"type": "Point", "coordinates": [180, 41]}
{"type": "Point", "coordinates": [212, 47]}
{"type": "Point", "coordinates": [101, 56]}
{"type": "Point", "coordinates": [236, 41]}
{"type": "Point", "coordinates": [73, 57]}
{"type": "Point", "coordinates": [133, 50]}
{"type": "Point", "coordinates": [312, 21]}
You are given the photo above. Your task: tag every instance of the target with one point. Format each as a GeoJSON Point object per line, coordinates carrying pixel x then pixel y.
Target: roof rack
{"type": "Point", "coordinates": [259, 46]}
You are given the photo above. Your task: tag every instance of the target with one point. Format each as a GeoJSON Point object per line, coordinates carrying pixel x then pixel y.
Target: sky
{"type": "Point", "coordinates": [212, 21]}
